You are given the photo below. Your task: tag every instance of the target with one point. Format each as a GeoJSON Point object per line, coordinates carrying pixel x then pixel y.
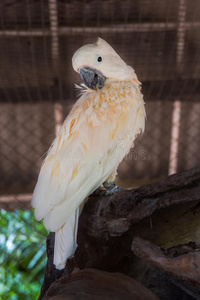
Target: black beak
{"type": "Point", "coordinates": [92, 78]}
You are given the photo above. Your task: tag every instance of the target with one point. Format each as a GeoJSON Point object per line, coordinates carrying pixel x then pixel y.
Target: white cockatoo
{"type": "Point", "coordinates": [93, 140]}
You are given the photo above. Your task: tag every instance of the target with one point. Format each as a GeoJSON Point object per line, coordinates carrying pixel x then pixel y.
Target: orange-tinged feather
{"type": "Point", "coordinates": [58, 143]}
{"type": "Point", "coordinates": [65, 130]}
{"type": "Point", "coordinates": [71, 126]}
{"type": "Point", "coordinates": [84, 146]}
{"type": "Point", "coordinates": [123, 119]}
{"type": "Point", "coordinates": [113, 133]}
{"type": "Point", "coordinates": [72, 134]}
{"type": "Point", "coordinates": [55, 169]}
{"type": "Point", "coordinates": [74, 173]}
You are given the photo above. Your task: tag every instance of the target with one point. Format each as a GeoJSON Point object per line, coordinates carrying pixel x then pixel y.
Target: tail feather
{"type": "Point", "coordinates": [66, 241]}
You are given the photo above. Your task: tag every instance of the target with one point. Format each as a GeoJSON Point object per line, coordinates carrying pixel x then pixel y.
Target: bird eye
{"type": "Point", "coordinates": [99, 59]}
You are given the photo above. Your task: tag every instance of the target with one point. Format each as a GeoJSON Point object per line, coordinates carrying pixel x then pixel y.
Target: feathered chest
{"type": "Point", "coordinates": [103, 116]}
{"type": "Point", "coordinates": [115, 102]}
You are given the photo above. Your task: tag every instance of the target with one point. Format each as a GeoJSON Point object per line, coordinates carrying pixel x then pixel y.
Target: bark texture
{"type": "Point", "coordinates": [94, 284]}
{"type": "Point", "coordinates": [151, 234]}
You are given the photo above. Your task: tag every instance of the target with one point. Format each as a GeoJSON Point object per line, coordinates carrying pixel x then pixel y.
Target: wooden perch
{"type": "Point", "coordinates": [101, 285]}
{"type": "Point", "coordinates": [185, 266]}
{"type": "Point", "coordinates": [166, 213]}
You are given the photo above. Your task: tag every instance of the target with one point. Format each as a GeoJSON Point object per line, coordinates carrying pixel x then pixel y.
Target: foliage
{"type": "Point", "coordinates": [22, 255]}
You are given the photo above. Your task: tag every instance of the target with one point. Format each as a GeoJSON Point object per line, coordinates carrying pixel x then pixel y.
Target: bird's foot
{"type": "Point", "coordinates": [99, 192]}
{"type": "Point", "coordinates": [111, 188]}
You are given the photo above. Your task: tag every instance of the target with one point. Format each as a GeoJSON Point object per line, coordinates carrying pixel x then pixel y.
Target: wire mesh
{"type": "Point", "coordinates": [160, 39]}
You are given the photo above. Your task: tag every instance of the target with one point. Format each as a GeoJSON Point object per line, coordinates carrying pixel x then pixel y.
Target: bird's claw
{"type": "Point", "coordinates": [116, 189]}
{"type": "Point", "coordinates": [111, 188]}
{"type": "Point", "coordinates": [109, 185]}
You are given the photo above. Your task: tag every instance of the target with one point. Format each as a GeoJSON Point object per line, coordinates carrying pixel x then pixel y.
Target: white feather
{"type": "Point", "coordinates": [66, 241]}
{"type": "Point", "coordinates": [85, 153]}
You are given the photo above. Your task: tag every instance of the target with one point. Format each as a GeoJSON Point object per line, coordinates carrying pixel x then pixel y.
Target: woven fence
{"type": "Point", "coordinates": [159, 39]}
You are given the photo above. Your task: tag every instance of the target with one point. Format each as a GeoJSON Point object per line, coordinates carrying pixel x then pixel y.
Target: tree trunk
{"type": "Point", "coordinates": [164, 215]}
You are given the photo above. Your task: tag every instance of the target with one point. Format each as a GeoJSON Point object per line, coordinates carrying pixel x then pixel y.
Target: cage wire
{"type": "Point", "coordinates": [160, 39]}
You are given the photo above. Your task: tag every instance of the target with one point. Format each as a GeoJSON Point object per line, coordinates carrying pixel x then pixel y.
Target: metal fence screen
{"type": "Point", "coordinates": [160, 39]}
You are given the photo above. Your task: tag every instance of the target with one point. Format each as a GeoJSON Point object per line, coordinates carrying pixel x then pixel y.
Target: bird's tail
{"type": "Point", "coordinates": [66, 241]}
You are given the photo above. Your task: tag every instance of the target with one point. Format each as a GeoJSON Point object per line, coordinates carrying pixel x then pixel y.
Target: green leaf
{"type": "Point", "coordinates": [23, 258]}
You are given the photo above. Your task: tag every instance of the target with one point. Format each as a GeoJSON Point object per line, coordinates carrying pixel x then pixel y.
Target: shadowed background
{"type": "Point", "coordinates": [160, 39]}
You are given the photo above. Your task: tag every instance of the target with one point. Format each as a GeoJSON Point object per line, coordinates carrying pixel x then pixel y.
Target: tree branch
{"type": "Point", "coordinates": [166, 213]}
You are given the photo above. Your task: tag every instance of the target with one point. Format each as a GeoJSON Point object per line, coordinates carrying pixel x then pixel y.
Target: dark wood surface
{"type": "Point", "coordinates": [151, 234]}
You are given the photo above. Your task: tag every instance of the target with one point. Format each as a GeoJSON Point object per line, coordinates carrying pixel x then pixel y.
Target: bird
{"type": "Point", "coordinates": [93, 140]}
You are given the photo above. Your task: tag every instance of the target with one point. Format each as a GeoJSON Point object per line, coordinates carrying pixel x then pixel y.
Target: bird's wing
{"type": "Point", "coordinates": [62, 162]}
{"type": "Point", "coordinates": [81, 158]}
